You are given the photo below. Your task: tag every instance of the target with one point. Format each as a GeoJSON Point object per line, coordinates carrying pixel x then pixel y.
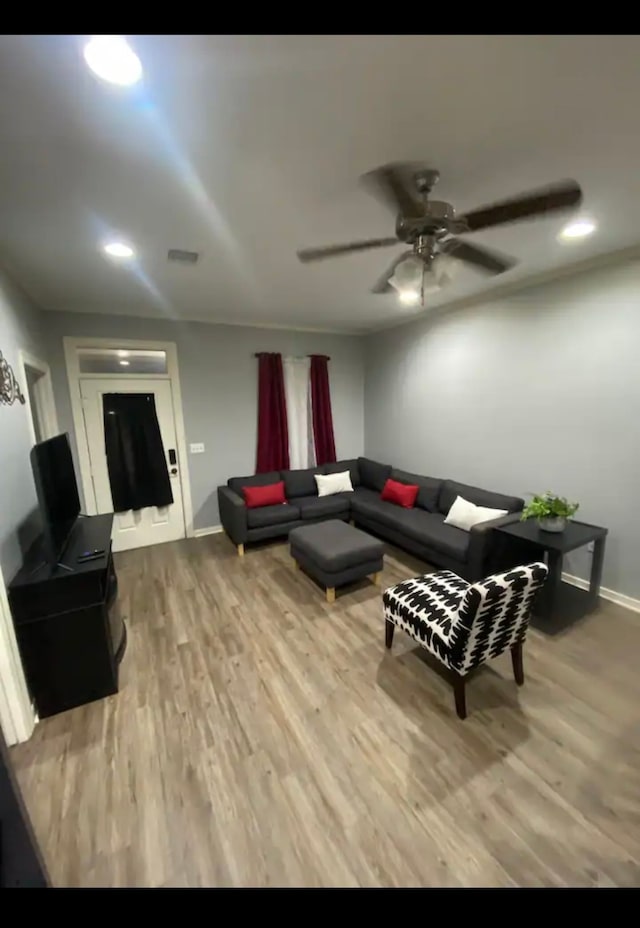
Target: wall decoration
{"type": "Point", "coordinates": [9, 387]}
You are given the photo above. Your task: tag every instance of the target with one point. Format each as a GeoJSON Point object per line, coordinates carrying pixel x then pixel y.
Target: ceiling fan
{"type": "Point", "coordinates": [431, 227]}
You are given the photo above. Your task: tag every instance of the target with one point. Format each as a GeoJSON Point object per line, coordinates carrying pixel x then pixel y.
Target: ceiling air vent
{"type": "Point", "coordinates": [184, 257]}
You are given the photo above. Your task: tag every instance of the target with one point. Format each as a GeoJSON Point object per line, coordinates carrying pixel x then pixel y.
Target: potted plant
{"type": "Point", "coordinates": [550, 511]}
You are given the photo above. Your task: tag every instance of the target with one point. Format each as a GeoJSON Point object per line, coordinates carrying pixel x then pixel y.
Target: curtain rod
{"type": "Point", "coordinates": [325, 356]}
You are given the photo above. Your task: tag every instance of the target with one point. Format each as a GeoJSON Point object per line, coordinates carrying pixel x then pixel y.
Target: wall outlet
{"type": "Point", "coordinates": [196, 447]}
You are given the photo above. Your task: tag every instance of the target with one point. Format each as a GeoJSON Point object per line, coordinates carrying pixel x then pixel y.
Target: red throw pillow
{"type": "Point", "coordinates": [270, 495]}
{"type": "Point", "coordinates": [402, 494]}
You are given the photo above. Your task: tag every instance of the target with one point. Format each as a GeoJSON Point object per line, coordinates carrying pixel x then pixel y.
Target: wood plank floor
{"type": "Point", "coordinates": [262, 737]}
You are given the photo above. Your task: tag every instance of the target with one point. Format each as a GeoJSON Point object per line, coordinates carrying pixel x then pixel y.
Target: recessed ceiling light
{"type": "Point", "coordinates": [125, 363]}
{"type": "Point", "coordinates": [409, 297]}
{"type": "Point", "coordinates": [119, 250]}
{"type": "Point", "coordinates": [112, 59]}
{"type": "Point", "coordinates": [578, 228]}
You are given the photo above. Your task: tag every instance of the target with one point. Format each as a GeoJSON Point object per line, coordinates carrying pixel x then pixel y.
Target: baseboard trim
{"type": "Point", "coordinates": [628, 602]}
{"type": "Point", "coordinates": [210, 530]}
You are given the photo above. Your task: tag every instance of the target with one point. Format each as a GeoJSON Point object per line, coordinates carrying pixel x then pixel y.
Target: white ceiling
{"type": "Point", "coordinates": [246, 148]}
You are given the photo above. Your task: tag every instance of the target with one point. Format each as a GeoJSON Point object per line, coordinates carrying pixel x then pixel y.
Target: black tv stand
{"type": "Point", "coordinates": [68, 625]}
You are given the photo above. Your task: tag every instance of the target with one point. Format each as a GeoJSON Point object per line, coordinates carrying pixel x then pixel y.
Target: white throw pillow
{"type": "Point", "coordinates": [465, 515]}
{"type": "Point", "coordinates": [328, 484]}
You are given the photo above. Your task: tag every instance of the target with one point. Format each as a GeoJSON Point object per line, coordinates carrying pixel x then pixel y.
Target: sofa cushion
{"type": "Point", "coordinates": [465, 515]}
{"type": "Point", "coordinates": [373, 475]}
{"type": "Point", "coordinates": [451, 489]}
{"type": "Point", "coordinates": [429, 529]}
{"type": "Point", "coordinates": [400, 494]}
{"type": "Point", "coordinates": [301, 482]}
{"type": "Point", "coordinates": [368, 503]}
{"type": "Point", "coordinates": [272, 515]}
{"type": "Point", "coordinates": [271, 495]}
{"type": "Point", "coordinates": [330, 484]}
{"type": "Point", "coordinates": [447, 539]}
{"type": "Point", "coordinates": [429, 488]}
{"type": "Point", "coordinates": [425, 528]}
{"type": "Point", "coordinates": [256, 480]}
{"type": "Point", "coordinates": [337, 467]}
{"type": "Point", "coordinates": [321, 507]}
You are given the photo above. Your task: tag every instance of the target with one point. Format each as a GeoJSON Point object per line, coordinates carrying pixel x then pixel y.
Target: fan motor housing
{"type": "Point", "coordinates": [436, 218]}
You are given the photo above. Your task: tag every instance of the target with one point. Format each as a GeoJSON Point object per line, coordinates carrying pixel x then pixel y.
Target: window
{"type": "Point", "coordinates": [122, 361]}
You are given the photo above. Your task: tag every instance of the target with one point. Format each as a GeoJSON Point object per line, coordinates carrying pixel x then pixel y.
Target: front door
{"type": "Point", "coordinates": [152, 525]}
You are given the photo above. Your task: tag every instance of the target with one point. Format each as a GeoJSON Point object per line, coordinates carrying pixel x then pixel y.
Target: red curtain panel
{"type": "Point", "coordinates": [273, 435]}
{"type": "Point", "coordinates": [321, 407]}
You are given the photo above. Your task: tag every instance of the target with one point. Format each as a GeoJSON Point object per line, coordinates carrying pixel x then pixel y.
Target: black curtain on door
{"type": "Point", "coordinates": [136, 461]}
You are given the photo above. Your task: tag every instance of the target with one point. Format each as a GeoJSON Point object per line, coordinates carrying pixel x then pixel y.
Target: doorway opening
{"type": "Point", "coordinates": [98, 371]}
{"type": "Point", "coordinates": [36, 376]}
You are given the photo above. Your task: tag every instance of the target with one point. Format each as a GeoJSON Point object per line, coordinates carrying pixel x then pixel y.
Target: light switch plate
{"type": "Point", "coordinates": [196, 447]}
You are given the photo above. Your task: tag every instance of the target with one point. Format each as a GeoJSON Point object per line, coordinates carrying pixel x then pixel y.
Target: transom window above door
{"type": "Point", "coordinates": [127, 361]}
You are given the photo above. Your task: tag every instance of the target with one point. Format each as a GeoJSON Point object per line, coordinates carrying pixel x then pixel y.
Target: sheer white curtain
{"type": "Point", "coordinates": [299, 420]}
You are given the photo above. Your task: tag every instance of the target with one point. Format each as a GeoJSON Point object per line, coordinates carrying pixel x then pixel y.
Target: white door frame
{"type": "Point", "coordinates": [49, 417]}
{"type": "Point", "coordinates": [71, 346]}
{"type": "Point", "coordinates": [17, 716]}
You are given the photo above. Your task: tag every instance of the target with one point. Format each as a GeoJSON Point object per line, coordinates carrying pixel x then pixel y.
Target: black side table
{"type": "Point", "coordinates": [532, 543]}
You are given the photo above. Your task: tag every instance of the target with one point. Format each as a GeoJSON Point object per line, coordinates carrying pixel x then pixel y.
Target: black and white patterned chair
{"type": "Point", "coordinates": [465, 624]}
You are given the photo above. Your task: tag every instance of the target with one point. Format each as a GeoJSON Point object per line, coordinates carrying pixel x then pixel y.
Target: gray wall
{"type": "Point", "coordinates": [539, 390]}
{"type": "Point", "coordinates": [218, 376]}
{"type": "Point", "coordinates": [20, 328]}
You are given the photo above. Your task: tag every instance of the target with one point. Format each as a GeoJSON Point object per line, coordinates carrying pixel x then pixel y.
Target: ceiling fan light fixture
{"type": "Point", "coordinates": [578, 228]}
{"type": "Point", "coordinates": [409, 297]}
{"type": "Point", "coordinates": [408, 274]}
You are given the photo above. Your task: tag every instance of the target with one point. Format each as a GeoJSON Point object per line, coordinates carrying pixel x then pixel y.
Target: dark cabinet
{"type": "Point", "coordinates": [68, 625]}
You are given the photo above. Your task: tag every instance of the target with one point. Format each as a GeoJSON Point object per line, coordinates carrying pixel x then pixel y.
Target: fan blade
{"type": "Point", "coordinates": [479, 256]}
{"type": "Point", "coordinates": [390, 183]}
{"type": "Point", "coordinates": [332, 251]}
{"type": "Point", "coordinates": [382, 284]}
{"type": "Point", "coordinates": [537, 203]}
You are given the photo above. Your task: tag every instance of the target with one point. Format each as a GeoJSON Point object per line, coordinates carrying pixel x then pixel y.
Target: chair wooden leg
{"type": "Point", "coordinates": [389, 629]}
{"type": "Point", "coordinates": [516, 660]}
{"type": "Point", "coordinates": [460, 696]}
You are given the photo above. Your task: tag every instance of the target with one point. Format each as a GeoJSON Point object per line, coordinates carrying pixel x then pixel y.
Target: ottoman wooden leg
{"type": "Point", "coordinates": [331, 594]}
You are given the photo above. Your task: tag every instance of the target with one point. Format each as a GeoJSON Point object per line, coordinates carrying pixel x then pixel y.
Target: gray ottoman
{"type": "Point", "coordinates": [335, 553]}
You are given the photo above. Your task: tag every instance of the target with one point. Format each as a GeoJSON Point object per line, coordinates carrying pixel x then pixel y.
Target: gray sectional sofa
{"type": "Point", "coordinates": [420, 530]}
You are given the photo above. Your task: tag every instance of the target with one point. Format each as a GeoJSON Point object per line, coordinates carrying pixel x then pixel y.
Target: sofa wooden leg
{"type": "Point", "coordinates": [377, 578]}
{"type": "Point", "coordinates": [460, 695]}
{"type": "Point", "coordinates": [296, 564]}
{"type": "Point", "coordinates": [389, 629]}
{"type": "Point", "coordinates": [516, 660]}
{"type": "Point", "coordinates": [331, 594]}
{"type": "Point", "coordinates": [240, 550]}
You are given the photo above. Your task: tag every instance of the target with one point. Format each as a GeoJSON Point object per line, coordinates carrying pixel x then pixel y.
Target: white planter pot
{"type": "Point", "coordinates": [552, 524]}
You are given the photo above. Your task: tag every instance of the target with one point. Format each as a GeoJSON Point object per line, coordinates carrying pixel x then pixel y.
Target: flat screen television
{"type": "Point", "coordinates": [57, 490]}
